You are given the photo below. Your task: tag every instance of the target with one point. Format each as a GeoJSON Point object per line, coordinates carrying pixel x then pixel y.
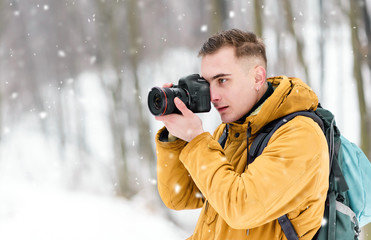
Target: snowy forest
{"type": "Point", "coordinates": [77, 153]}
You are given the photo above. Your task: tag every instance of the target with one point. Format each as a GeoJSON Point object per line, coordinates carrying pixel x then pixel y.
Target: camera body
{"type": "Point", "coordinates": [193, 90]}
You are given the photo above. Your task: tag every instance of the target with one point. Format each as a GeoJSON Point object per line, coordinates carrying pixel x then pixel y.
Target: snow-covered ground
{"type": "Point", "coordinates": [42, 199]}
{"type": "Point", "coordinates": [40, 213]}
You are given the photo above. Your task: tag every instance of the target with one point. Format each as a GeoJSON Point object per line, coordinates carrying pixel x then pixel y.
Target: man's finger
{"type": "Point", "coordinates": [167, 85]}
{"type": "Point", "coordinates": [164, 118]}
{"type": "Point", "coordinates": [182, 107]}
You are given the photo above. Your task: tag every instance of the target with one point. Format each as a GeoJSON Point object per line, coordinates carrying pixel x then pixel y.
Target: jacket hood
{"type": "Point", "coordinates": [290, 95]}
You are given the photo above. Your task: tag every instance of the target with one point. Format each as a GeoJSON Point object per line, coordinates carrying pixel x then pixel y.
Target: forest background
{"type": "Point", "coordinates": [75, 74]}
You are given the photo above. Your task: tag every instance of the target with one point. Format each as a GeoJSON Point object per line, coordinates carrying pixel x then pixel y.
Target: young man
{"type": "Point", "coordinates": [289, 177]}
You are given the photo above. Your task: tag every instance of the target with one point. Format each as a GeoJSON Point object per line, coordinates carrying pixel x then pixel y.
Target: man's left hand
{"type": "Point", "coordinates": [185, 126]}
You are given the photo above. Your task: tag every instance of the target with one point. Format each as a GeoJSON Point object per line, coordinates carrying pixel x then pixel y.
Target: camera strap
{"type": "Point", "coordinates": [223, 137]}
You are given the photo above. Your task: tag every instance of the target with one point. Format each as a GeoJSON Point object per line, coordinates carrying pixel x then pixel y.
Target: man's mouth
{"type": "Point", "coordinates": [221, 109]}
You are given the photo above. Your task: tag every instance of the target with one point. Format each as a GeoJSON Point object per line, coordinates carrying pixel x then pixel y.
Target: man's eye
{"type": "Point", "coordinates": [222, 80]}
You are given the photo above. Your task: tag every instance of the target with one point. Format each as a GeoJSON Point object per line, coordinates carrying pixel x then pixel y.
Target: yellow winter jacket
{"type": "Point", "coordinates": [289, 177]}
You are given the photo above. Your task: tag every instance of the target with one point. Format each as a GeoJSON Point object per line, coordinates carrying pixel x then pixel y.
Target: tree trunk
{"type": "Point", "coordinates": [299, 42]}
{"type": "Point", "coordinates": [2, 21]}
{"type": "Point", "coordinates": [218, 15]}
{"type": "Point", "coordinates": [355, 13]}
{"type": "Point", "coordinates": [357, 73]}
{"type": "Point", "coordinates": [114, 91]}
{"type": "Point", "coordinates": [146, 150]}
{"type": "Point", "coordinates": [367, 22]}
{"type": "Point", "coordinates": [258, 27]}
{"type": "Point", "coordinates": [280, 65]}
{"type": "Point", "coordinates": [321, 44]}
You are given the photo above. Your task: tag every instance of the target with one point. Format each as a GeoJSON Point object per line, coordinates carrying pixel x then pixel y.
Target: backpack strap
{"type": "Point", "coordinates": [223, 137]}
{"type": "Point", "coordinates": [334, 145]}
{"type": "Point", "coordinates": [287, 228]}
{"type": "Point", "coordinates": [261, 141]}
{"type": "Point", "coordinates": [332, 216]}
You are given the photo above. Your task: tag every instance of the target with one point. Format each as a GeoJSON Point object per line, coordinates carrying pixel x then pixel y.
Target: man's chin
{"type": "Point", "coordinates": [226, 119]}
{"type": "Point", "coordinates": [229, 118]}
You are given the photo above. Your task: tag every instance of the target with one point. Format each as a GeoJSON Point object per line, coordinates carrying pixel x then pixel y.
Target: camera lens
{"type": "Point", "coordinates": [157, 102]}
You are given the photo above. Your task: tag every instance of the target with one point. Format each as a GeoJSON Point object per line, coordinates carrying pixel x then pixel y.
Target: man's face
{"type": "Point", "coordinates": [232, 83]}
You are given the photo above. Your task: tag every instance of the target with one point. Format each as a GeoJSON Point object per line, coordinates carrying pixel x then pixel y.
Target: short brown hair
{"type": "Point", "coordinates": [245, 43]}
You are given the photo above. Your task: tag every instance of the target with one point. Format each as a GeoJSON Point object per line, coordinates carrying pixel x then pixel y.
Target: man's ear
{"type": "Point", "coordinates": [260, 76]}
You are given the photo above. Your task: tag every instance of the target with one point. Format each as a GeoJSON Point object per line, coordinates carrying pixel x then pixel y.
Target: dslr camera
{"type": "Point", "coordinates": [193, 90]}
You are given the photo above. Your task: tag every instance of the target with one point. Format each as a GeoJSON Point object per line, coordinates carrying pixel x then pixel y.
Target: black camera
{"type": "Point", "coordinates": [193, 90]}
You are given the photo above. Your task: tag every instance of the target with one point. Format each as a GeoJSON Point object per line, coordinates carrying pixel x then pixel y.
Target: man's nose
{"type": "Point", "coordinates": [214, 95]}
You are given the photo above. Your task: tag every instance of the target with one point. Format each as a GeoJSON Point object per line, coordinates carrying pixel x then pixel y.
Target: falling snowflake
{"type": "Point", "coordinates": [6, 130]}
{"type": "Point", "coordinates": [43, 115]}
{"type": "Point", "coordinates": [324, 222]}
{"type": "Point", "coordinates": [93, 59]}
{"type": "Point", "coordinates": [61, 53]}
{"type": "Point", "coordinates": [177, 188]}
{"type": "Point", "coordinates": [152, 181]}
{"type": "Point", "coordinates": [203, 28]}
{"type": "Point", "coordinates": [14, 95]}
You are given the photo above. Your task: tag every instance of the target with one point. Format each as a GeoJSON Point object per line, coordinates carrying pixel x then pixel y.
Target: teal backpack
{"type": "Point", "coordinates": [348, 203]}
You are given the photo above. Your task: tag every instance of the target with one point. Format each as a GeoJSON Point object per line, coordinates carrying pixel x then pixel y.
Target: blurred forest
{"type": "Point", "coordinates": [77, 72]}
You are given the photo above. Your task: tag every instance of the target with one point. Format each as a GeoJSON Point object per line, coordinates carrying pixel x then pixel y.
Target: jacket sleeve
{"type": "Point", "coordinates": [175, 185]}
{"type": "Point", "coordinates": [292, 169]}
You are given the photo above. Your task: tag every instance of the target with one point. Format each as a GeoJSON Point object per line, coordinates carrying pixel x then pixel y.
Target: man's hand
{"type": "Point", "coordinates": [185, 126]}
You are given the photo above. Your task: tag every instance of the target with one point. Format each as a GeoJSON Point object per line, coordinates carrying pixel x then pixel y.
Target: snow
{"type": "Point", "coordinates": [41, 213]}
{"type": "Point", "coordinates": [41, 198]}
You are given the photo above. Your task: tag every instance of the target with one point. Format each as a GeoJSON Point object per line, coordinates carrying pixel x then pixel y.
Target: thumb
{"type": "Point", "coordinates": [181, 106]}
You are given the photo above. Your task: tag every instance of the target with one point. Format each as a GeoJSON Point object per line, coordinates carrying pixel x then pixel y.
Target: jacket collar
{"type": "Point", "coordinates": [289, 95]}
{"type": "Point", "coordinates": [256, 108]}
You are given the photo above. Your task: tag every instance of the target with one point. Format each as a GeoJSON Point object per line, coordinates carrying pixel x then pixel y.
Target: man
{"type": "Point", "coordinates": [289, 177]}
